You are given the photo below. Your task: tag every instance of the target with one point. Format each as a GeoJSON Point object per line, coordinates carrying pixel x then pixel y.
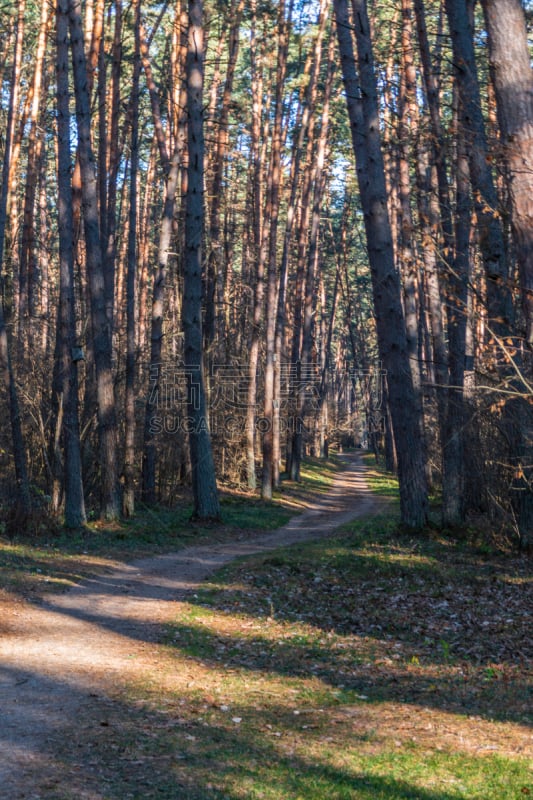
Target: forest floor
{"type": "Point", "coordinates": [371, 666]}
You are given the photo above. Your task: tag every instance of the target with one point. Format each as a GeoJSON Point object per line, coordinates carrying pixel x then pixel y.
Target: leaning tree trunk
{"type": "Point", "coordinates": [363, 113]}
{"type": "Point", "coordinates": [206, 504]}
{"type": "Point", "coordinates": [484, 190]}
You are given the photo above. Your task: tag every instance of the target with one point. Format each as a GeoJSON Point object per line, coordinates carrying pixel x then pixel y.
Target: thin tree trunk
{"type": "Point", "coordinates": [66, 368]}
{"type": "Point", "coordinates": [128, 501]}
{"type": "Point", "coordinates": [144, 252]}
{"type": "Point", "coordinates": [172, 175]}
{"type": "Point", "coordinates": [318, 180]}
{"type": "Point", "coordinates": [485, 196]}
{"type": "Point", "coordinates": [110, 160]}
{"type": "Point", "coordinates": [44, 260]}
{"type": "Point", "coordinates": [271, 288]}
{"type": "Point", "coordinates": [453, 465]}
{"type": "Point", "coordinates": [303, 117]}
{"type": "Point", "coordinates": [19, 452]}
{"type": "Point", "coordinates": [406, 256]}
{"type": "Point", "coordinates": [107, 422]}
{"type": "Point", "coordinates": [28, 267]}
{"type": "Point", "coordinates": [258, 252]}
{"type": "Point", "coordinates": [206, 503]}
{"type": "Point", "coordinates": [216, 270]}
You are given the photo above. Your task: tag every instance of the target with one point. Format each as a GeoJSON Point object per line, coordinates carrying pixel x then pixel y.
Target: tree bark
{"type": "Point", "coordinates": [171, 170]}
{"type": "Point", "coordinates": [361, 96]}
{"type": "Point", "coordinates": [128, 500]}
{"type": "Point", "coordinates": [23, 500]}
{"type": "Point", "coordinates": [258, 253]}
{"type": "Point", "coordinates": [318, 181]}
{"type": "Point", "coordinates": [107, 422]}
{"type": "Point", "coordinates": [513, 82]}
{"type": "Point", "coordinates": [274, 183]}
{"type": "Point", "coordinates": [66, 367]}
{"type": "Point", "coordinates": [216, 269]}
{"type": "Point", "coordinates": [28, 257]}
{"type": "Point", "coordinates": [206, 503]}
{"type": "Point", "coordinates": [484, 191]}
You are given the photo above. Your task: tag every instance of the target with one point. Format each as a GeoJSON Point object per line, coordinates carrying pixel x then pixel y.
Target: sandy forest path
{"type": "Point", "coordinates": [59, 657]}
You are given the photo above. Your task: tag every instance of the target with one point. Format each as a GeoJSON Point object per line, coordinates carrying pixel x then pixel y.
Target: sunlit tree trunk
{"type": "Point", "coordinates": [109, 160]}
{"type": "Point", "coordinates": [28, 251]}
{"type": "Point", "coordinates": [315, 203]}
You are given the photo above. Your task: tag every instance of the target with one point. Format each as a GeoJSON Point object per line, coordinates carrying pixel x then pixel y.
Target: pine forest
{"type": "Point", "coordinates": [237, 233]}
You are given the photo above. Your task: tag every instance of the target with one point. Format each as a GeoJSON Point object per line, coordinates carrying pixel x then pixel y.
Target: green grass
{"type": "Point", "coordinates": [54, 559]}
{"type": "Point", "coordinates": [372, 665]}
{"type": "Point", "coordinates": [323, 666]}
{"type": "Point", "coordinates": [380, 481]}
{"type": "Point", "coordinates": [214, 757]}
{"type": "Point", "coordinates": [57, 559]}
{"type": "Point", "coordinates": [268, 691]}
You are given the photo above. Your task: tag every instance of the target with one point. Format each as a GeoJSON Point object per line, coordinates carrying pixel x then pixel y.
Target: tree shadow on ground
{"type": "Point", "coordinates": [61, 741]}
{"type": "Point", "coordinates": [372, 650]}
{"type": "Point", "coordinates": [450, 690]}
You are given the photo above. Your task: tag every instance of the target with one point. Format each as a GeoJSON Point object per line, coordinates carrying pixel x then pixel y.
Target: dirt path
{"type": "Point", "coordinates": [60, 658]}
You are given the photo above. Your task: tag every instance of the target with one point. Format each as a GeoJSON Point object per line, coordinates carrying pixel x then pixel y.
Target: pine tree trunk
{"type": "Point", "coordinates": [318, 181]}
{"type": "Point", "coordinates": [216, 269]}
{"type": "Point", "coordinates": [107, 422]}
{"type": "Point", "coordinates": [513, 83]}
{"type": "Point", "coordinates": [363, 114]}
{"type": "Point", "coordinates": [274, 184]}
{"type": "Point", "coordinates": [28, 252]}
{"type": "Point", "coordinates": [6, 370]}
{"type": "Point", "coordinates": [128, 500]}
{"type": "Point", "coordinates": [257, 253]}
{"type": "Point", "coordinates": [484, 191]}
{"type": "Point", "coordinates": [171, 171]}
{"type": "Point", "coordinates": [206, 504]}
{"type": "Point", "coordinates": [66, 368]}
{"type": "Point", "coordinates": [453, 464]}
{"type": "Point", "coordinates": [110, 160]}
